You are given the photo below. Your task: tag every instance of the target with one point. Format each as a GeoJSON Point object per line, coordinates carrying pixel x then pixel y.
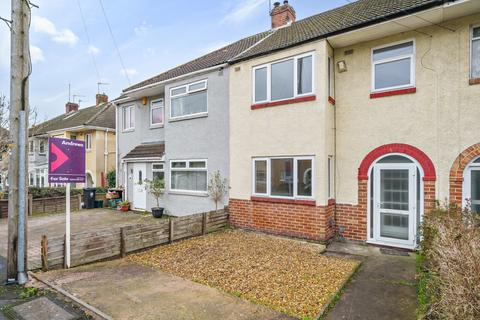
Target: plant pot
{"type": "Point", "coordinates": [125, 208]}
{"type": "Point", "coordinates": [157, 212]}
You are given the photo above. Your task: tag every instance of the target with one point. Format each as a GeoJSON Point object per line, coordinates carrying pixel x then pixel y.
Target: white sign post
{"type": "Point", "coordinates": [67, 226]}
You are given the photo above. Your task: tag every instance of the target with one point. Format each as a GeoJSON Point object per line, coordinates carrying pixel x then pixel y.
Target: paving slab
{"type": "Point", "coordinates": [42, 309]}
{"type": "Point", "coordinates": [383, 288]}
{"type": "Point", "coordinates": [127, 290]}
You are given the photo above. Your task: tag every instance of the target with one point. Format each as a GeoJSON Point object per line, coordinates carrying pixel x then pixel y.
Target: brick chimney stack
{"type": "Point", "coordinates": [282, 15]}
{"type": "Point", "coordinates": [101, 98]}
{"type": "Point", "coordinates": [71, 106]}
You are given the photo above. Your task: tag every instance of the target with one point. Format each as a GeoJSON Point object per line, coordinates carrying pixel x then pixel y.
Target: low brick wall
{"type": "Point", "coordinates": [302, 220]}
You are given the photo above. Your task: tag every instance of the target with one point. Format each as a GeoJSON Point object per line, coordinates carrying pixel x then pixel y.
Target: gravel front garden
{"type": "Point", "coordinates": [286, 275]}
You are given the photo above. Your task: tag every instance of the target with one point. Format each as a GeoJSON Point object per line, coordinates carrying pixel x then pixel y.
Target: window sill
{"type": "Point", "coordinates": [187, 193]}
{"type": "Point", "coordinates": [389, 93]}
{"type": "Point", "coordinates": [158, 126]}
{"type": "Point", "coordinates": [286, 201]}
{"type": "Point", "coordinates": [283, 102]}
{"type": "Point", "coordinates": [331, 100]}
{"type": "Point", "coordinates": [474, 81]}
{"type": "Point", "coordinates": [128, 130]}
{"type": "Point", "coordinates": [189, 117]}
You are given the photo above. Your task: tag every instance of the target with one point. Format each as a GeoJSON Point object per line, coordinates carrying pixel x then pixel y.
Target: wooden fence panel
{"type": "Point", "coordinates": [101, 244]}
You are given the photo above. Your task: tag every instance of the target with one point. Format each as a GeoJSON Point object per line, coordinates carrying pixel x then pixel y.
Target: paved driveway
{"type": "Point", "coordinates": [54, 226]}
{"type": "Point", "coordinates": [128, 290]}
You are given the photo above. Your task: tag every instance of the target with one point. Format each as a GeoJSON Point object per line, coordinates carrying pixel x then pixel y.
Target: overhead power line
{"type": "Point", "coordinates": [114, 42]}
{"type": "Point", "coordinates": [87, 35]}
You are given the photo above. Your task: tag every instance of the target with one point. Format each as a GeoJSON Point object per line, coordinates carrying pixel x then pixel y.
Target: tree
{"type": "Point", "coordinates": [217, 188]}
{"type": "Point", "coordinates": [156, 187]}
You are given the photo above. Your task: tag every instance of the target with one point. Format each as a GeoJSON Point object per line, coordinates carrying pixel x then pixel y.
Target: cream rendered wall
{"type": "Point", "coordinates": [289, 130]}
{"type": "Point", "coordinates": [441, 118]}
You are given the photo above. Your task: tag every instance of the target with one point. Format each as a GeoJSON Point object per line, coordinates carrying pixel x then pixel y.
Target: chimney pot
{"type": "Point", "coordinates": [282, 15]}
{"type": "Point", "coordinates": [71, 106]}
{"type": "Point", "coordinates": [101, 98]}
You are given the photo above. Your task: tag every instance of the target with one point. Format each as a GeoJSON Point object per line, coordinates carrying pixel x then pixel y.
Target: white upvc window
{"type": "Point", "coordinates": [331, 77]}
{"type": "Point", "coordinates": [129, 118]}
{"type": "Point", "coordinates": [284, 79]}
{"type": "Point", "coordinates": [188, 176]}
{"type": "Point", "coordinates": [157, 113]}
{"type": "Point", "coordinates": [31, 179]}
{"type": "Point", "coordinates": [41, 147]}
{"type": "Point", "coordinates": [31, 146]}
{"type": "Point", "coordinates": [158, 171]}
{"type": "Point", "coordinates": [475, 53]}
{"type": "Point", "coordinates": [88, 141]}
{"type": "Point", "coordinates": [471, 185]}
{"type": "Point", "coordinates": [393, 66]}
{"type": "Point", "coordinates": [189, 100]}
{"type": "Point", "coordinates": [284, 177]}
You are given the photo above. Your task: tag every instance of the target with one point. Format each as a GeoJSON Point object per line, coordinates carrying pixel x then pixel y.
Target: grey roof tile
{"type": "Point", "coordinates": [147, 150]}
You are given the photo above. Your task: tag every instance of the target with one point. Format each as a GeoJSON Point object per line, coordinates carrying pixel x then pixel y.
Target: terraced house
{"type": "Point", "coordinates": [95, 125]}
{"type": "Point", "coordinates": [350, 122]}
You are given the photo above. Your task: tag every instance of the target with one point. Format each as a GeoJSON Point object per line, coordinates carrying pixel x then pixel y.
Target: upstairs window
{"type": "Point", "coordinates": [88, 141]}
{"type": "Point", "coordinates": [129, 118]}
{"type": "Point", "coordinates": [41, 147]}
{"type": "Point", "coordinates": [475, 59]}
{"type": "Point", "coordinates": [282, 80]}
{"type": "Point", "coordinates": [189, 100]}
{"type": "Point", "coordinates": [156, 113]}
{"type": "Point", "coordinates": [393, 67]}
{"type": "Point", "coordinates": [287, 177]}
{"type": "Point", "coordinates": [31, 147]}
{"type": "Point", "coordinates": [331, 78]}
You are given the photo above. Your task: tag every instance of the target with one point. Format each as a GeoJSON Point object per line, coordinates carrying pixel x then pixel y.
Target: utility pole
{"type": "Point", "coordinates": [19, 111]}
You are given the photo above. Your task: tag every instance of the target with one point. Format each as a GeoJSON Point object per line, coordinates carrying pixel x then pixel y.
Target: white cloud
{"type": "Point", "coordinates": [129, 72]}
{"type": "Point", "coordinates": [36, 54]}
{"type": "Point", "coordinates": [43, 25]}
{"type": "Point", "coordinates": [93, 50]}
{"type": "Point", "coordinates": [244, 10]}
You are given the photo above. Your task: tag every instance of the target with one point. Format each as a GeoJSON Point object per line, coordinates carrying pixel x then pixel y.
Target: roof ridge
{"type": "Point", "coordinates": [107, 104]}
{"type": "Point", "coordinates": [271, 32]}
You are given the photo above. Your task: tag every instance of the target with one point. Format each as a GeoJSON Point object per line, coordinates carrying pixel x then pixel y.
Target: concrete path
{"type": "Point", "coordinates": [383, 288]}
{"type": "Point", "coordinates": [53, 225]}
{"type": "Point", "coordinates": [126, 290]}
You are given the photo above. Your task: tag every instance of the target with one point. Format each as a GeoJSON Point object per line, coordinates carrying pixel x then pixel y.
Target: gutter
{"type": "Point", "coordinates": [400, 14]}
{"type": "Point", "coordinates": [79, 128]}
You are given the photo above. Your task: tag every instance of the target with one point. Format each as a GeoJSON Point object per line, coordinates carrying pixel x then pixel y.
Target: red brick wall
{"type": "Point", "coordinates": [456, 172]}
{"type": "Point", "coordinates": [288, 219]}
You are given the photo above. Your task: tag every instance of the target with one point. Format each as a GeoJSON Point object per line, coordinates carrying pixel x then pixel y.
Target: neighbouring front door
{"type": "Point", "coordinates": [395, 204]}
{"type": "Point", "coordinates": [139, 189]}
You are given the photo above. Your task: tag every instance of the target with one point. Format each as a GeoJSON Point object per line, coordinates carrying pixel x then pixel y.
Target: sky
{"type": "Point", "coordinates": [152, 36]}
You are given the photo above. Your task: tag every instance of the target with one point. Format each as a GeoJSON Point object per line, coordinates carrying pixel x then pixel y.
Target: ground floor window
{"type": "Point", "coordinates": [283, 177]}
{"type": "Point", "coordinates": [188, 175]}
{"type": "Point", "coordinates": [471, 188]}
{"type": "Point", "coordinates": [158, 171]}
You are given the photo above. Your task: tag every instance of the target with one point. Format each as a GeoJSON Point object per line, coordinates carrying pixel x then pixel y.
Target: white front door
{"type": "Point", "coordinates": [139, 189]}
{"type": "Point", "coordinates": [395, 204]}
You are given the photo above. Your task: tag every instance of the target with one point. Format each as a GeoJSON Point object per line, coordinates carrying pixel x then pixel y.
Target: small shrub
{"type": "Point", "coordinates": [450, 280]}
{"type": "Point", "coordinates": [217, 188]}
{"type": "Point", "coordinates": [112, 179]}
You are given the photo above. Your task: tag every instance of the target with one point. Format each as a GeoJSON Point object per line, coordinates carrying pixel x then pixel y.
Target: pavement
{"type": "Point", "coordinates": [127, 290]}
{"type": "Point", "coordinates": [53, 225]}
{"type": "Point", "coordinates": [383, 288]}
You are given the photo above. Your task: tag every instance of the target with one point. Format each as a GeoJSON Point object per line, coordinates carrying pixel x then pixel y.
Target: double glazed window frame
{"type": "Point", "coordinates": [295, 78]}
{"type": "Point", "coordinates": [295, 177]}
{"type": "Point", "coordinates": [396, 58]}
{"type": "Point", "coordinates": [154, 105]}
{"type": "Point", "coordinates": [474, 165]}
{"type": "Point", "coordinates": [187, 168]}
{"type": "Point", "coordinates": [131, 124]}
{"type": "Point", "coordinates": [88, 141]}
{"type": "Point", "coordinates": [188, 92]}
{"type": "Point", "coordinates": [472, 39]}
